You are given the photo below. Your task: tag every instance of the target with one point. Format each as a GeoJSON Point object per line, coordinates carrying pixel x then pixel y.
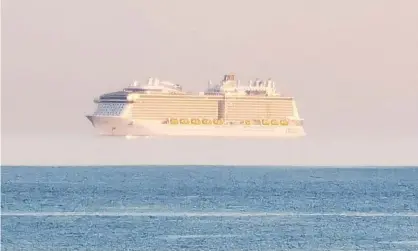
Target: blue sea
{"type": "Point", "coordinates": [209, 208]}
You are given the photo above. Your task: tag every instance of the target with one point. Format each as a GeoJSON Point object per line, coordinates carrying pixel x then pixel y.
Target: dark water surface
{"type": "Point", "coordinates": [209, 208]}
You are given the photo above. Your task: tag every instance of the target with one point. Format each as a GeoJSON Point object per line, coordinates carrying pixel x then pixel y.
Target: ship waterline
{"type": "Point", "coordinates": [223, 110]}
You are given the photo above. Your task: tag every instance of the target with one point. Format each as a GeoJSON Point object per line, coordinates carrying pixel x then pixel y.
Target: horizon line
{"type": "Point", "coordinates": [215, 165]}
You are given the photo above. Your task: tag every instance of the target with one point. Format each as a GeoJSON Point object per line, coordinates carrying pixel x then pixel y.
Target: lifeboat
{"type": "Point", "coordinates": [195, 121]}
{"type": "Point", "coordinates": [184, 121]}
{"type": "Point", "coordinates": [284, 122]}
{"type": "Point", "coordinates": [247, 122]}
{"type": "Point", "coordinates": [256, 122]}
{"type": "Point", "coordinates": [174, 121]}
{"type": "Point", "coordinates": [206, 122]}
{"type": "Point", "coordinates": [274, 122]}
{"type": "Point", "coordinates": [265, 122]}
{"type": "Point", "coordinates": [218, 121]}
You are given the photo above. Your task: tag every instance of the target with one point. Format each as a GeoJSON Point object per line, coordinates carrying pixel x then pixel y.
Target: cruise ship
{"type": "Point", "coordinates": [226, 109]}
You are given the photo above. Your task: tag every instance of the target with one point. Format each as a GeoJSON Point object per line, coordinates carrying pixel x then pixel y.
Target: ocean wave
{"type": "Point", "coordinates": [405, 242]}
{"type": "Point", "coordinates": [198, 236]}
{"type": "Point", "coordinates": [210, 214]}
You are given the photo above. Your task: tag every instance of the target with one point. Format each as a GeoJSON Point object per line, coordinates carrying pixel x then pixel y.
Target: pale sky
{"type": "Point", "coordinates": [352, 66]}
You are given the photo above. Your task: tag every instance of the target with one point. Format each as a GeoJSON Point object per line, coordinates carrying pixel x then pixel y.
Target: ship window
{"type": "Point", "coordinates": [109, 109]}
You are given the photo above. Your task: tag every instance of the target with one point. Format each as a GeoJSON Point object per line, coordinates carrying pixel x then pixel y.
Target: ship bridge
{"type": "Point", "coordinates": [118, 97]}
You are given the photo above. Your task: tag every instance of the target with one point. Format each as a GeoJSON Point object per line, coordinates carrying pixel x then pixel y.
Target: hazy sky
{"type": "Point", "coordinates": [352, 66]}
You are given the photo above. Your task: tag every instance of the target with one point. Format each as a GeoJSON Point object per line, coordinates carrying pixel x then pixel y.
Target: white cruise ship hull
{"type": "Point", "coordinates": [120, 126]}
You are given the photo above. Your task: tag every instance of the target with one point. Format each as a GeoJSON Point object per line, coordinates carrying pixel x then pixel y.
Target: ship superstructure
{"type": "Point", "coordinates": [226, 109]}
